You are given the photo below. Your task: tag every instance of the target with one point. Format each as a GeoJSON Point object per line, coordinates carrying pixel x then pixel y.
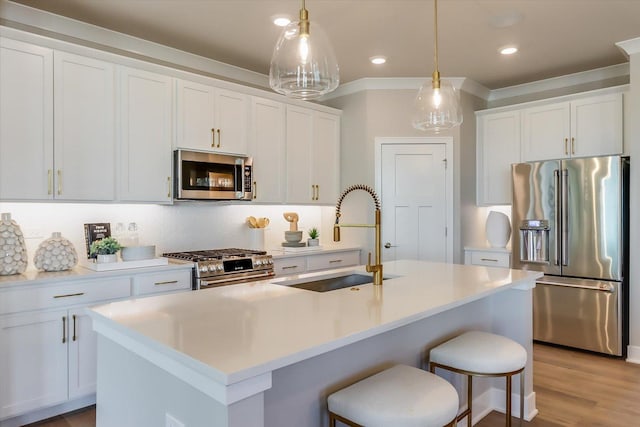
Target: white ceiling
{"type": "Point", "coordinates": [555, 37]}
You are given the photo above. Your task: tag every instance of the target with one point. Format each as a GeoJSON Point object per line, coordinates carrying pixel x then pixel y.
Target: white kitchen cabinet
{"type": "Point", "coordinates": [82, 354]}
{"type": "Point", "coordinates": [33, 361]}
{"type": "Point", "coordinates": [84, 128]}
{"type": "Point", "coordinates": [582, 127]}
{"type": "Point", "coordinates": [266, 146]}
{"type": "Point", "coordinates": [488, 257]}
{"type": "Point", "coordinates": [498, 146]}
{"type": "Point", "coordinates": [145, 135]}
{"type": "Point", "coordinates": [313, 143]}
{"type": "Point", "coordinates": [210, 118]}
{"type": "Point", "coordinates": [323, 260]}
{"type": "Point", "coordinates": [26, 121]}
{"type": "Point", "coordinates": [162, 282]}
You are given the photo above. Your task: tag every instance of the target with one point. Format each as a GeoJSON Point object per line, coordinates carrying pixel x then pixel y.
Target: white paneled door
{"type": "Point", "coordinates": [413, 184]}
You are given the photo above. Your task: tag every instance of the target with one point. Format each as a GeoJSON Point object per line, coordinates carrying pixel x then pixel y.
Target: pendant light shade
{"type": "Point", "coordinates": [303, 64]}
{"type": "Point", "coordinates": [437, 105]}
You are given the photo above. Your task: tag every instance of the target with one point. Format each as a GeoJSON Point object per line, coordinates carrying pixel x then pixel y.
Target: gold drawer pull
{"type": "Point", "coordinates": [74, 328]}
{"type": "Point", "coordinates": [69, 295]}
{"type": "Point", "coordinates": [333, 261]}
{"type": "Point", "coordinates": [49, 181]}
{"type": "Point", "coordinates": [488, 259]}
{"type": "Point", "coordinates": [64, 329]}
{"type": "Point", "coordinates": [219, 139]}
{"type": "Point", "coordinates": [59, 181]}
{"type": "Point", "coordinates": [213, 138]}
{"type": "Point", "coordinates": [169, 187]}
{"type": "Point", "coordinates": [169, 282]}
{"type": "Point", "coordinates": [289, 267]}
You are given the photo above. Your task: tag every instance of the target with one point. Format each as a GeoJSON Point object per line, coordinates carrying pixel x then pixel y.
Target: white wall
{"type": "Point", "coordinates": [183, 226]}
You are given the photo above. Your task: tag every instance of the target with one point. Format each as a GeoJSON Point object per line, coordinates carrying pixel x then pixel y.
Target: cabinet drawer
{"type": "Point", "coordinates": [167, 281]}
{"type": "Point", "coordinates": [332, 260]}
{"type": "Point", "coordinates": [283, 267]}
{"type": "Point", "coordinates": [490, 259]}
{"type": "Point", "coordinates": [62, 295]}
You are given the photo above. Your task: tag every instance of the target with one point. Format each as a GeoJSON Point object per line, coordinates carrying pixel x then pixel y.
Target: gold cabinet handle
{"type": "Point", "coordinates": [566, 146]}
{"type": "Point", "coordinates": [213, 138]}
{"type": "Point", "coordinates": [219, 138]}
{"type": "Point", "coordinates": [289, 267]}
{"type": "Point", "coordinates": [488, 259]}
{"type": "Point", "coordinates": [334, 261]}
{"type": "Point", "coordinates": [64, 329]}
{"type": "Point", "coordinates": [74, 328]}
{"type": "Point", "coordinates": [255, 190]}
{"type": "Point", "coordinates": [49, 181]}
{"type": "Point", "coordinates": [59, 181]}
{"type": "Point", "coordinates": [573, 145]}
{"type": "Point", "coordinates": [317, 192]}
{"type": "Point", "coordinates": [168, 282]}
{"type": "Point", "coordinates": [168, 187]}
{"type": "Point", "coordinates": [69, 295]}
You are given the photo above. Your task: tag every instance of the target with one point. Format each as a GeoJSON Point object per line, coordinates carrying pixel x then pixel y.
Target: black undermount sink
{"type": "Point", "coordinates": [333, 283]}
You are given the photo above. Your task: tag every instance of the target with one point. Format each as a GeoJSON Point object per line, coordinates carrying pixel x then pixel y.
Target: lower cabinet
{"type": "Point", "coordinates": [47, 343]}
{"type": "Point", "coordinates": [489, 257]}
{"type": "Point", "coordinates": [315, 262]}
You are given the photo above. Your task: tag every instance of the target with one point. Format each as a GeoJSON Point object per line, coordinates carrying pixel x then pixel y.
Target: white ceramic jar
{"type": "Point", "coordinates": [13, 251]}
{"type": "Point", "coordinates": [498, 229]}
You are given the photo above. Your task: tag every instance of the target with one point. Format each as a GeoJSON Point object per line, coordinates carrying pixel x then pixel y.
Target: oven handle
{"type": "Point", "coordinates": [204, 283]}
{"type": "Point", "coordinates": [240, 170]}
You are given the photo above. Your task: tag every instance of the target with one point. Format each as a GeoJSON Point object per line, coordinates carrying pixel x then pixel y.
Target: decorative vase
{"type": "Point", "coordinates": [497, 229]}
{"type": "Point", "coordinates": [313, 242]}
{"type": "Point", "coordinates": [13, 251]}
{"type": "Point", "coordinates": [106, 258]}
{"type": "Point", "coordinates": [256, 239]}
{"type": "Point", "coordinates": [55, 254]}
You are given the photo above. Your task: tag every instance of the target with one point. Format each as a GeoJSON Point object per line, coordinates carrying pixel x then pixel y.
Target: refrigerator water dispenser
{"type": "Point", "coordinates": [534, 241]}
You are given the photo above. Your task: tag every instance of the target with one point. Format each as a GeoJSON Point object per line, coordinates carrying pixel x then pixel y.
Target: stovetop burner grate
{"type": "Point", "coordinates": [202, 255]}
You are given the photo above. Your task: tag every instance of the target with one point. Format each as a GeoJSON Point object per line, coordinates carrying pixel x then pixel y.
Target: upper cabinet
{"type": "Point", "coordinates": [210, 118]}
{"type": "Point", "coordinates": [84, 128]}
{"type": "Point", "coordinates": [579, 128]}
{"type": "Point", "coordinates": [498, 146]}
{"type": "Point", "coordinates": [26, 121]}
{"type": "Point", "coordinates": [313, 167]}
{"type": "Point", "coordinates": [266, 146]}
{"type": "Point", "coordinates": [145, 131]}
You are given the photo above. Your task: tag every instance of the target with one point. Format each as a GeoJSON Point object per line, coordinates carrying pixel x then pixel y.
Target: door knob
{"type": "Point", "coordinates": [389, 245]}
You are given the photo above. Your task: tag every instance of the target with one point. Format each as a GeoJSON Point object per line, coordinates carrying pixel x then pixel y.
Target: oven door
{"type": "Point", "coordinates": [234, 279]}
{"type": "Point", "coordinates": [210, 176]}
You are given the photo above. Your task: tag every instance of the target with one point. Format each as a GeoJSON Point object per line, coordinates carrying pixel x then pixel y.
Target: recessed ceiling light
{"type": "Point", "coordinates": [508, 50]}
{"type": "Point", "coordinates": [378, 60]}
{"type": "Point", "coordinates": [281, 21]}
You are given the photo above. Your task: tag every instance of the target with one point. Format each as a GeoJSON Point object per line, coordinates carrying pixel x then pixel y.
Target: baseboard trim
{"type": "Point", "coordinates": [494, 400]}
{"type": "Point", "coordinates": [43, 414]}
{"type": "Point", "coordinates": [633, 354]}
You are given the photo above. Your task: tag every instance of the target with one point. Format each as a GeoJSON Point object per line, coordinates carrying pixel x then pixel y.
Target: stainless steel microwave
{"type": "Point", "coordinates": [203, 175]}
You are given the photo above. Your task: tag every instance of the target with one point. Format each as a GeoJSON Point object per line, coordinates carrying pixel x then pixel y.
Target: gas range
{"type": "Point", "coordinates": [219, 267]}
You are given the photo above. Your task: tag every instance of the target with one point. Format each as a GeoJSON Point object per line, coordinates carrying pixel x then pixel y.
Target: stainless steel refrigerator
{"type": "Point", "coordinates": [570, 221]}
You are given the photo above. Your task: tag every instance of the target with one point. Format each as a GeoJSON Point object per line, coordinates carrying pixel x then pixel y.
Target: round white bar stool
{"type": "Point", "coordinates": [401, 396]}
{"type": "Point", "coordinates": [482, 354]}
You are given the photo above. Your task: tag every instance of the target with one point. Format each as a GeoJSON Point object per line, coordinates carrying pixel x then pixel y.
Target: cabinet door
{"type": "Point", "coordinates": [498, 146]}
{"type": "Point", "coordinates": [546, 132]}
{"type": "Point", "coordinates": [26, 121]}
{"type": "Point", "coordinates": [145, 136]}
{"type": "Point", "coordinates": [325, 159]}
{"type": "Point", "coordinates": [231, 121]}
{"type": "Point", "coordinates": [195, 115]}
{"type": "Point", "coordinates": [299, 140]}
{"type": "Point", "coordinates": [596, 126]}
{"type": "Point", "coordinates": [33, 361]}
{"type": "Point", "coordinates": [266, 146]}
{"type": "Point", "coordinates": [82, 354]}
{"type": "Point", "coordinates": [84, 103]}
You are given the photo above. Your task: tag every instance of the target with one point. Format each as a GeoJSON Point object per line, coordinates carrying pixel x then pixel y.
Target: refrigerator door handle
{"type": "Point", "coordinates": [556, 250]}
{"type": "Point", "coordinates": [565, 217]}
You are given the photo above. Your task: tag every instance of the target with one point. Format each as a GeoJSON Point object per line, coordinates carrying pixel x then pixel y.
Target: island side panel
{"type": "Point", "coordinates": [298, 394]}
{"type": "Point", "coordinates": [133, 392]}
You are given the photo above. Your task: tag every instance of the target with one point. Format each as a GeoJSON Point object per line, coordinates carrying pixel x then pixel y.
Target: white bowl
{"type": "Point", "coordinates": [135, 253]}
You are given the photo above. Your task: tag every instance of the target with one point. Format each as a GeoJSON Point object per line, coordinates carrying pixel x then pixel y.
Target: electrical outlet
{"type": "Point", "coordinates": [172, 422]}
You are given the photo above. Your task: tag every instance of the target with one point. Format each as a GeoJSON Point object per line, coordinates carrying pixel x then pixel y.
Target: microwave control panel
{"type": "Point", "coordinates": [248, 179]}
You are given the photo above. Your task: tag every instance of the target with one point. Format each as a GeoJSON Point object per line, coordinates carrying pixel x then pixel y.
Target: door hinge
{"type": "Point", "coordinates": [446, 162]}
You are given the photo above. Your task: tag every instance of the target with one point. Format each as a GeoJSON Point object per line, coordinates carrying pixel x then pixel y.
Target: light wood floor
{"type": "Point", "coordinates": [572, 389]}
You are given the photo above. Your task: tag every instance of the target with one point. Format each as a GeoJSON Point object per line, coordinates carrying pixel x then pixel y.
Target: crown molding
{"type": "Point", "coordinates": [403, 83]}
{"type": "Point", "coordinates": [629, 47]}
{"type": "Point", "coordinates": [569, 80]}
{"type": "Point", "coordinates": [18, 16]}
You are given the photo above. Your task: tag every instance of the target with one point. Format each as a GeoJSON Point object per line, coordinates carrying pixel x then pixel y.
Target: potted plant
{"type": "Point", "coordinates": [105, 249]}
{"type": "Point", "coordinates": [313, 237]}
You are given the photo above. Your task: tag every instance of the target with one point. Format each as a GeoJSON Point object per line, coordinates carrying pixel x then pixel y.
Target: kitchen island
{"type": "Point", "coordinates": [264, 354]}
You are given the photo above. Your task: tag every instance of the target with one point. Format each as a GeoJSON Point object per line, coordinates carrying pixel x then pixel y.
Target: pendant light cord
{"type": "Point", "coordinates": [436, 73]}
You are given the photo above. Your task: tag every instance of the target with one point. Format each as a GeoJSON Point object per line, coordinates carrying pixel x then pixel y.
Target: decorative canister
{"type": "Point", "coordinates": [55, 254]}
{"type": "Point", "coordinates": [498, 229]}
{"type": "Point", "coordinates": [13, 251]}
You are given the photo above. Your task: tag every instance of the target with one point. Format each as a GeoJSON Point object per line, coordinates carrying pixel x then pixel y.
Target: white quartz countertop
{"type": "Point", "coordinates": [237, 332]}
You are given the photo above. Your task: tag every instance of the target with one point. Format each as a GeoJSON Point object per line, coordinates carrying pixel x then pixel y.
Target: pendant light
{"type": "Point", "coordinates": [437, 105]}
{"type": "Point", "coordinates": [303, 64]}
